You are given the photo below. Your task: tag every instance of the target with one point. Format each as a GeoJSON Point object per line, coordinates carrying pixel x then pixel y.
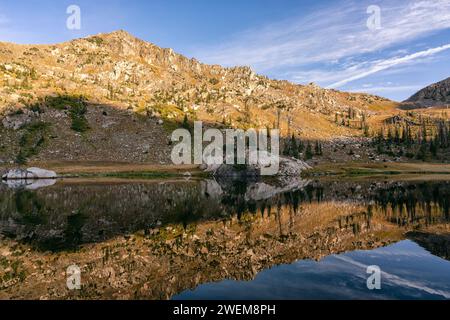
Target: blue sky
{"type": "Point", "coordinates": [327, 42]}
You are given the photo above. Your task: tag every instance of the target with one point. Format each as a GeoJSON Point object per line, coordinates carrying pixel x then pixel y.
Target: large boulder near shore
{"type": "Point", "coordinates": [287, 167]}
{"type": "Point", "coordinates": [292, 167]}
{"type": "Point", "coordinates": [29, 174]}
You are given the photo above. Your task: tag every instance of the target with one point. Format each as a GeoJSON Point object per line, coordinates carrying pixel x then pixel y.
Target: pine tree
{"type": "Point", "coordinates": [186, 124]}
{"type": "Point", "coordinates": [381, 136]}
{"type": "Point", "coordinates": [448, 134]}
{"type": "Point", "coordinates": [424, 131]}
{"type": "Point", "coordinates": [433, 147]}
{"type": "Point", "coordinates": [396, 135]}
{"type": "Point", "coordinates": [294, 151]}
{"type": "Point", "coordinates": [287, 148]}
{"type": "Point", "coordinates": [318, 149]}
{"type": "Point", "coordinates": [278, 118]}
{"type": "Point", "coordinates": [409, 136]}
{"type": "Point", "coordinates": [308, 152]}
{"type": "Point", "coordinates": [293, 147]}
{"type": "Point", "coordinates": [442, 135]}
{"type": "Point", "coordinates": [390, 136]}
{"type": "Point", "coordinates": [301, 146]}
{"type": "Point", "coordinates": [422, 153]}
{"type": "Point", "coordinates": [366, 130]}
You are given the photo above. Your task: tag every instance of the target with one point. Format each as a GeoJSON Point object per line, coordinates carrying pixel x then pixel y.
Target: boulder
{"type": "Point", "coordinates": [29, 174]}
{"type": "Point", "coordinates": [15, 174]}
{"type": "Point", "coordinates": [287, 167]}
{"type": "Point", "coordinates": [292, 167]}
{"type": "Point", "coordinates": [29, 184]}
{"type": "Point", "coordinates": [236, 171]}
{"type": "Point", "coordinates": [17, 121]}
{"type": "Point", "coordinates": [39, 173]}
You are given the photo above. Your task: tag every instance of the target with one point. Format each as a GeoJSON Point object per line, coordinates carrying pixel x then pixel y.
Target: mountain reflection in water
{"type": "Point", "coordinates": [159, 240]}
{"type": "Point", "coordinates": [409, 272]}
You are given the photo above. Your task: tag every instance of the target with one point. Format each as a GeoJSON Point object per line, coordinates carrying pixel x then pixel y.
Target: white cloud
{"type": "Point", "coordinates": [387, 64]}
{"type": "Point", "coordinates": [321, 46]}
{"type": "Point", "coordinates": [386, 89]}
{"type": "Point", "coordinates": [398, 281]}
{"type": "Point", "coordinates": [331, 34]}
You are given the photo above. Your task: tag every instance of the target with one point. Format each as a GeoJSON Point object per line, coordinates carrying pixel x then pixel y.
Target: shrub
{"type": "Point", "coordinates": [34, 136]}
{"type": "Point", "coordinates": [35, 107]}
{"type": "Point", "coordinates": [213, 81]}
{"type": "Point", "coordinates": [97, 40]}
{"type": "Point", "coordinates": [77, 107]}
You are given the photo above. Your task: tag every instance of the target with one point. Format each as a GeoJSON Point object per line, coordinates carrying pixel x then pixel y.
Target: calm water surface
{"type": "Point", "coordinates": [409, 272]}
{"type": "Point", "coordinates": [213, 239]}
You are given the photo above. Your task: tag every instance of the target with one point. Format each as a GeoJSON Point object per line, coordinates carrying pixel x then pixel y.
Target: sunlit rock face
{"type": "Point", "coordinates": [284, 168]}
{"type": "Point", "coordinates": [138, 90]}
{"type": "Point", "coordinates": [437, 94]}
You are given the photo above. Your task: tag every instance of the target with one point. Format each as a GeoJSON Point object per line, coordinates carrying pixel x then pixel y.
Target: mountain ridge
{"type": "Point", "coordinates": [134, 85]}
{"type": "Point", "coordinates": [122, 44]}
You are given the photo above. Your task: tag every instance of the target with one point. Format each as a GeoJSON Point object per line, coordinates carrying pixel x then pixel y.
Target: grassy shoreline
{"type": "Point", "coordinates": [377, 169]}
{"type": "Point", "coordinates": [114, 170]}
{"type": "Point", "coordinates": [152, 171]}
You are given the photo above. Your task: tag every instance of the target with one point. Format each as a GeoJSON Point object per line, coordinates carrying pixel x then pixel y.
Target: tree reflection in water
{"type": "Point", "coordinates": [144, 232]}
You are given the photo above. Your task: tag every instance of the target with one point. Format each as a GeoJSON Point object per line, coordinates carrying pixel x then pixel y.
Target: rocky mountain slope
{"type": "Point", "coordinates": [435, 95]}
{"type": "Point", "coordinates": [113, 97]}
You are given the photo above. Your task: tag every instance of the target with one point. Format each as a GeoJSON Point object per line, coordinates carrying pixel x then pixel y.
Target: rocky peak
{"type": "Point", "coordinates": [437, 94]}
{"type": "Point", "coordinates": [120, 34]}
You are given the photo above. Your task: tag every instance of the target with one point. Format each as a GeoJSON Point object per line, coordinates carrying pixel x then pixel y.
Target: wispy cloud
{"type": "Point", "coordinates": [324, 43]}
{"type": "Point", "coordinates": [378, 66]}
{"type": "Point", "coordinates": [388, 88]}
{"type": "Point", "coordinates": [399, 281]}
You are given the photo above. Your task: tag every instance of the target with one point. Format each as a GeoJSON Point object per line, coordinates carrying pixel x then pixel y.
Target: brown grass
{"type": "Point", "coordinates": [391, 168]}
{"type": "Point", "coordinates": [92, 167]}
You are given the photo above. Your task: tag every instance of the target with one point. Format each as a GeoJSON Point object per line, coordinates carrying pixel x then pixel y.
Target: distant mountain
{"type": "Point", "coordinates": [435, 95]}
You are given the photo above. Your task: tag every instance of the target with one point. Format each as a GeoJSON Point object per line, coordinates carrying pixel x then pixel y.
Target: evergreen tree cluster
{"type": "Point", "coordinates": [294, 147]}
{"type": "Point", "coordinates": [421, 141]}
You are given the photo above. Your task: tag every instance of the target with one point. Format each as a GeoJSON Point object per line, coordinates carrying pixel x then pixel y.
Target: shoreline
{"type": "Point", "coordinates": [121, 170]}
{"type": "Point", "coordinates": [377, 169]}
{"type": "Point", "coordinates": [72, 170]}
